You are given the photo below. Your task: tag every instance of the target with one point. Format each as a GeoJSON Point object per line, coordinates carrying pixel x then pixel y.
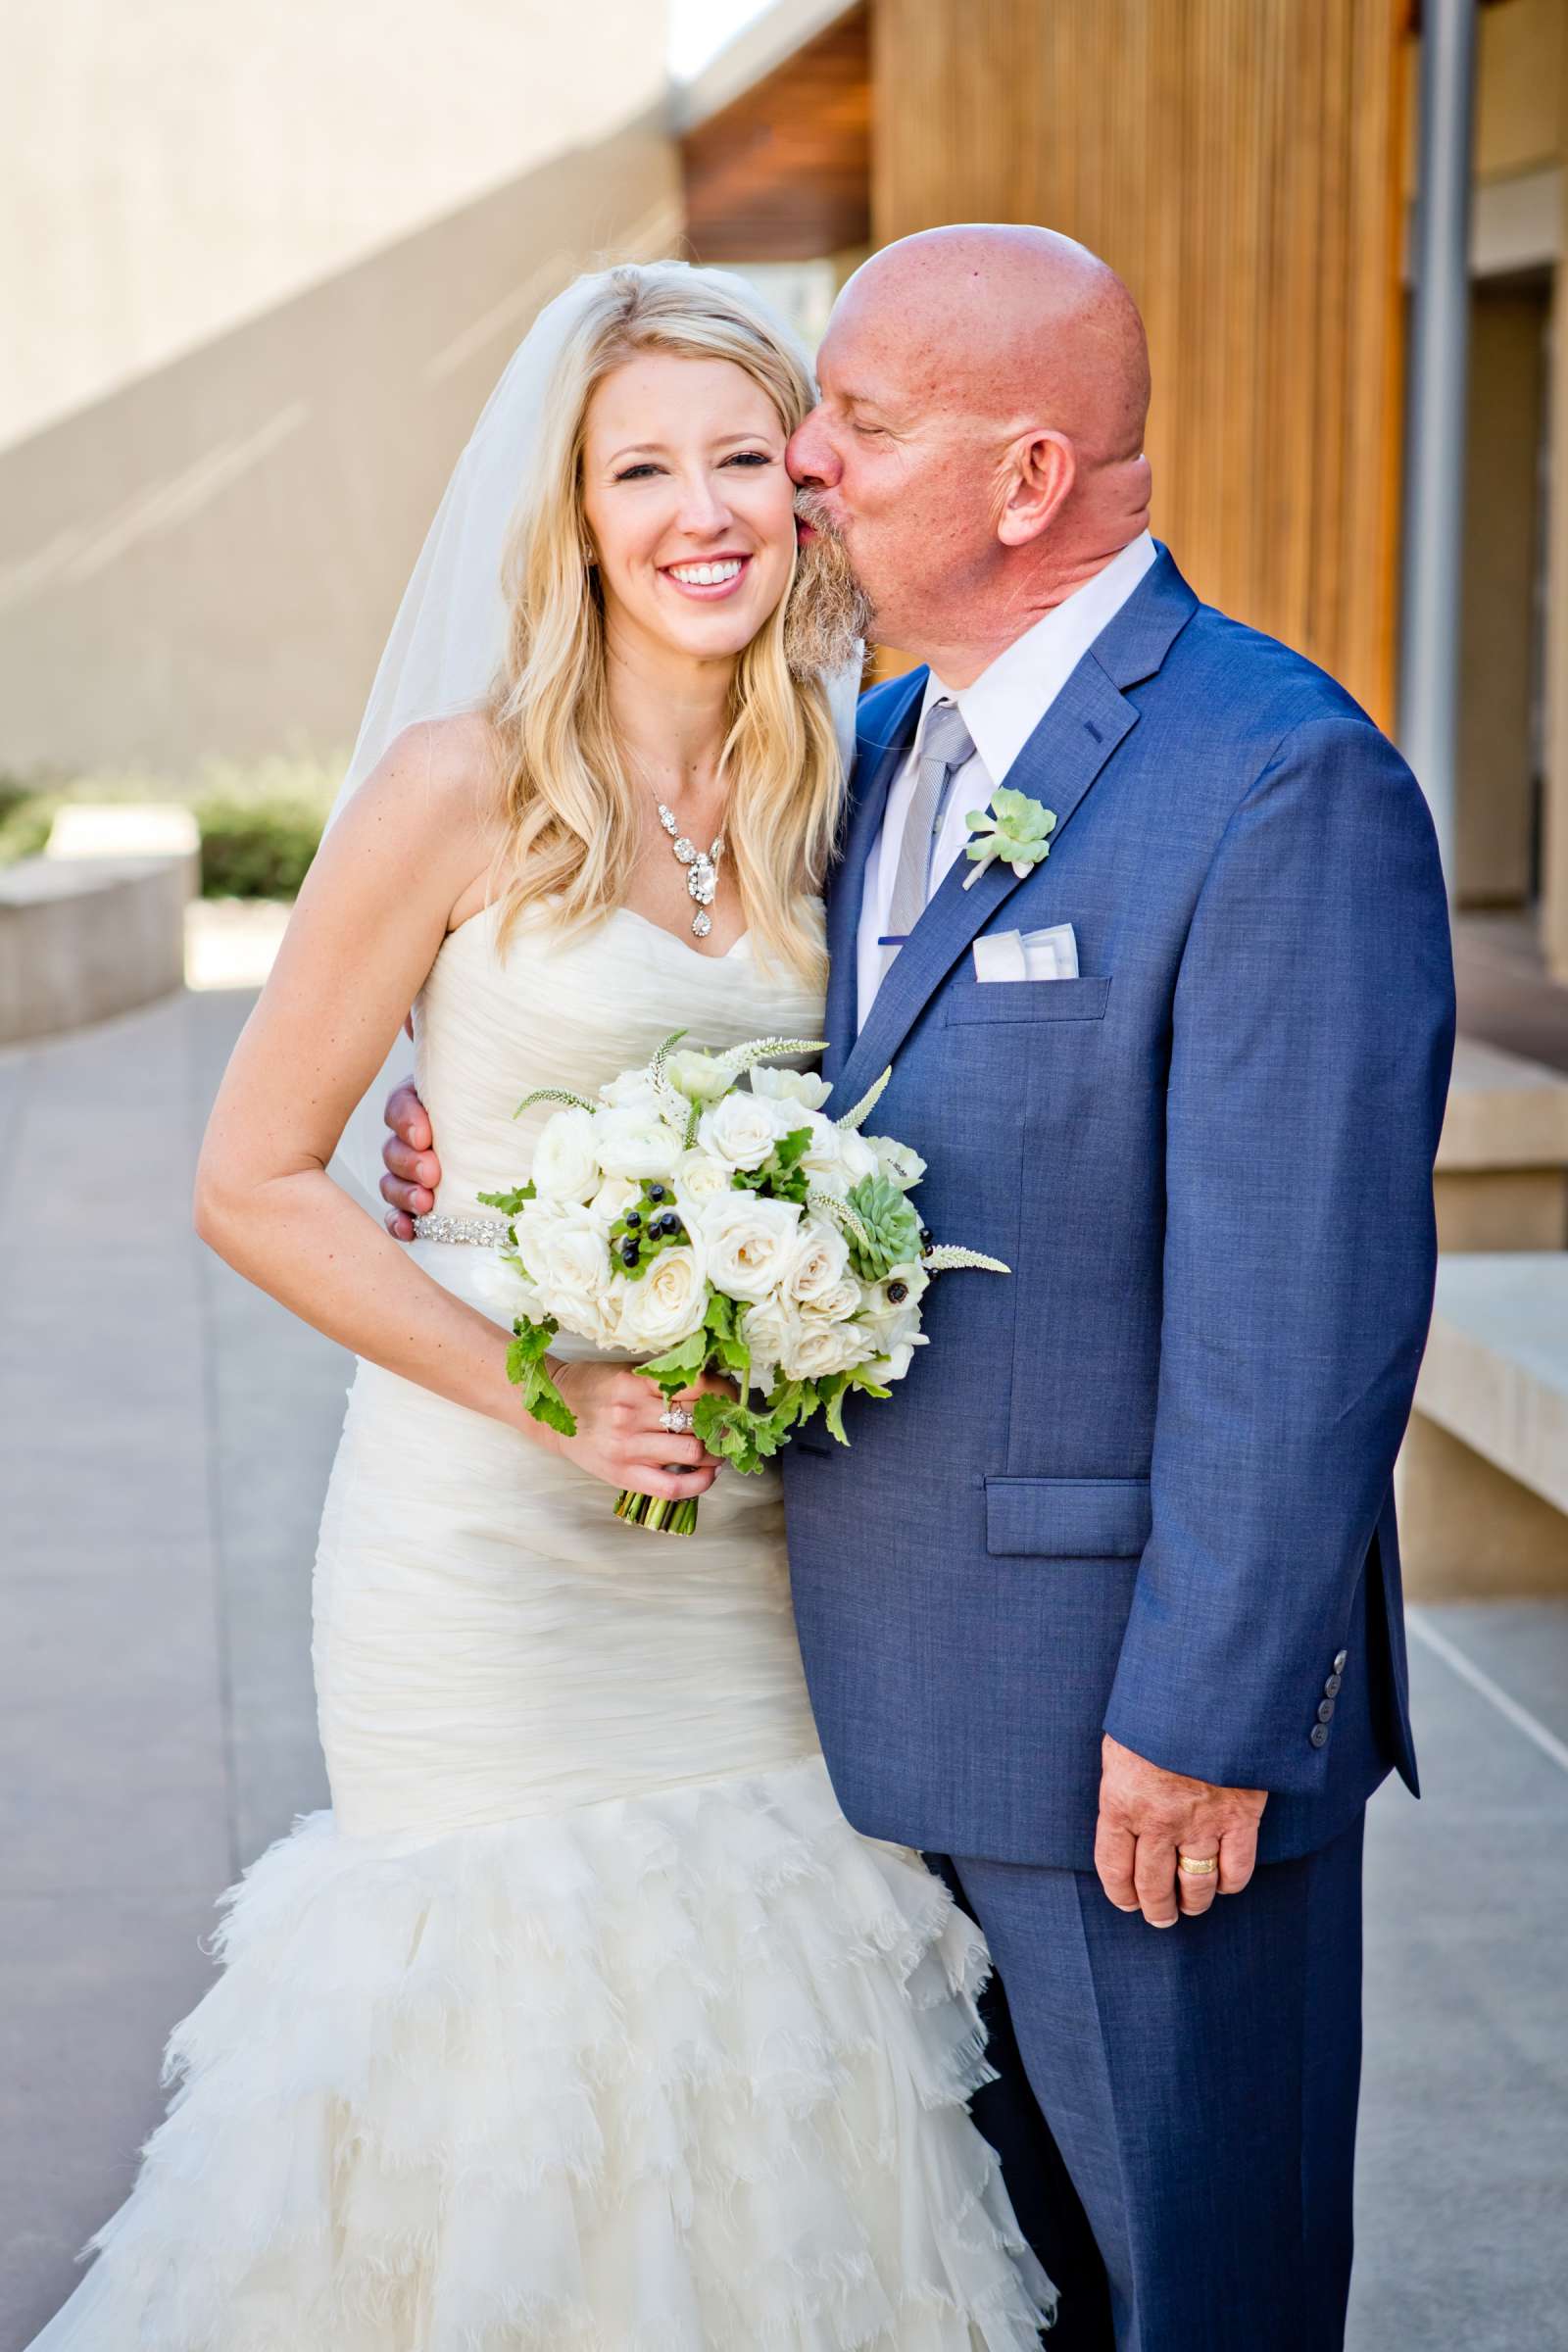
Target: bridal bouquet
{"type": "Point", "coordinates": [707, 1216]}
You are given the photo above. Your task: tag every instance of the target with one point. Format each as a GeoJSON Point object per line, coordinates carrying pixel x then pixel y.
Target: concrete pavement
{"type": "Point", "coordinates": [165, 1438]}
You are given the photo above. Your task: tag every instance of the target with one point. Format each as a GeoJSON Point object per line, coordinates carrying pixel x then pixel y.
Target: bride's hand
{"type": "Point", "coordinates": [619, 1436]}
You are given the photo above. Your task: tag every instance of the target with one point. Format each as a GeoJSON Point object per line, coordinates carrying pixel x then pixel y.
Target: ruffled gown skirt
{"type": "Point", "coordinates": [583, 2020]}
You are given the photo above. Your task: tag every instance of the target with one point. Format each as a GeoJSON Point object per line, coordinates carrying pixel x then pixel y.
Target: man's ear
{"type": "Point", "coordinates": [1039, 473]}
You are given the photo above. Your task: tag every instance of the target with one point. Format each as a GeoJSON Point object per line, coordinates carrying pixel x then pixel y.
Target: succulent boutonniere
{"type": "Point", "coordinates": [1014, 828]}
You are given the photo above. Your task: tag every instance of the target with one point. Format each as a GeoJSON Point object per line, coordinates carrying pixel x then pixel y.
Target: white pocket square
{"type": "Point", "coordinates": [1027, 955]}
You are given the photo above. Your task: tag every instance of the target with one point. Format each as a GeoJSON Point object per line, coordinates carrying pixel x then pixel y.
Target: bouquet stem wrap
{"type": "Point", "coordinates": [666, 1514]}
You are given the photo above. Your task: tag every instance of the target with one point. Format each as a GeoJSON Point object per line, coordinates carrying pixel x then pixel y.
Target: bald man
{"type": "Point", "coordinates": [1105, 1606]}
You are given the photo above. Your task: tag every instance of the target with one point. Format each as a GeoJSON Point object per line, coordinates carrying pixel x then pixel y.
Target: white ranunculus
{"type": "Point", "coordinates": [859, 1158]}
{"type": "Point", "coordinates": [699, 1176]}
{"type": "Point", "coordinates": [791, 1086]}
{"type": "Point", "coordinates": [896, 1161]}
{"type": "Point", "coordinates": [634, 1089]}
{"type": "Point", "coordinates": [886, 1369]}
{"type": "Point", "coordinates": [698, 1076]}
{"type": "Point", "coordinates": [667, 1303]}
{"type": "Point", "coordinates": [499, 1288]}
{"type": "Point", "coordinates": [750, 1242]}
{"type": "Point", "coordinates": [565, 1165]}
{"type": "Point", "coordinates": [742, 1130]}
{"type": "Point", "coordinates": [636, 1142]}
{"type": "Point", "coordinates": [836, 1157]}
{"type": "Point", "coordinates": [567, 1251]}
{"type": "Point", "coordinates": [821, 1261]}
{"type": "Point", "coordinates": [613, 1198]}
{"type": "Point", "coordinates": [816, 1348]}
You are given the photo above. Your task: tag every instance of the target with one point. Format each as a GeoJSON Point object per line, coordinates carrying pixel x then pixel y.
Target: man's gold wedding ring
{"type": "Point", "coordinates": [1194, 1866]}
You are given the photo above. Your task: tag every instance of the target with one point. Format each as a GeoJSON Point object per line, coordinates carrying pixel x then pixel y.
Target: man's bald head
{"type": "Point", "coordinates": [1018, 324]}
{"type": "Point", "coordinates": [985, 392]}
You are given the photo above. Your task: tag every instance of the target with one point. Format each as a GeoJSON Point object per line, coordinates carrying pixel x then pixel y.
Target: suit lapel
{"type": "Point", "coordinates": [1059, 763]}
{"type": "Point", "coordinates": [877, 754]}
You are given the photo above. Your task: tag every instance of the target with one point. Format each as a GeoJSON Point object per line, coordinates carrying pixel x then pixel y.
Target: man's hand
{"type": "Point", "coordinates": [1148, 1816]}
{"type": "Point", "coordinates": [412, 1170]}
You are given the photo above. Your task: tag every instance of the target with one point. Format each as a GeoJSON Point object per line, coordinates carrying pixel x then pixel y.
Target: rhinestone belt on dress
{"type": "Point", "coordinates": [485, 1233]}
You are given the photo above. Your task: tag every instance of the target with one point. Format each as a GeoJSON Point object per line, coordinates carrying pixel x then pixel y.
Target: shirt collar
{"type": "Point", "coordinates": [1008, 700]}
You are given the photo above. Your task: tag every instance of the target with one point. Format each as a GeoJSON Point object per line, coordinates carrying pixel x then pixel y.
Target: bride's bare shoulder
{"type": "Point", "coordinates": [456, 761]}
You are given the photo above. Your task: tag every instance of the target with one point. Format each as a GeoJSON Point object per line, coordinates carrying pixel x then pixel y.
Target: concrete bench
{"type": "Point", "coordinates": [97, 925]}
{"type": "Point", "coordinates": [1502, 1180]}
{"type": "Point", "coordinates": [1482, 1479]}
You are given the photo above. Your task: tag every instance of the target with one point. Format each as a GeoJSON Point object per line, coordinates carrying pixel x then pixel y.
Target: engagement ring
{"type": "Point", "coordinates": [677, 1419]}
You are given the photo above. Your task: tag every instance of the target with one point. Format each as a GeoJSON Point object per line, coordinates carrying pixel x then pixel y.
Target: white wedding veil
{"type": "Point", "coordinates": [449, 633]}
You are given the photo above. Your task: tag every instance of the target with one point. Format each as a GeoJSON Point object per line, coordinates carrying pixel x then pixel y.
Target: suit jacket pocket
{"type": "Point", "coordinates": [1068, 1518]}
{"type": "Point", "coordinates": [1027, 1001]}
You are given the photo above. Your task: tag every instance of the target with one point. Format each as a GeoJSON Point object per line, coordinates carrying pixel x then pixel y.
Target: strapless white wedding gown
{"type": "Point", "coordinates": [583, 2020]}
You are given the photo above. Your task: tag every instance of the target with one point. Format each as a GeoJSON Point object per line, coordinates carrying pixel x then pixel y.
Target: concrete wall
{"type": "Point", "coordinates": [262, 270]}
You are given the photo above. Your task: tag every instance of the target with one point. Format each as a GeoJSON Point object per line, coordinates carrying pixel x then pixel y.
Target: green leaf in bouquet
{"type": "Point", "coordinates": [526, 1368]}
{"type": "Point", "coordinates": [781, 1176]}
{"type": "Point", "coordinates": [739, 1433]}
{"type": "Point", "coordinates": [890, 1228]}
{"type": "Point", "coordinates": [836, 1387]}
{"type": "Point", "coordinates": [511, 1202]}
{"type": "Point", "coordinates": [681, 1364]}
{"type": "Point", "coordinates": [727, 1350]}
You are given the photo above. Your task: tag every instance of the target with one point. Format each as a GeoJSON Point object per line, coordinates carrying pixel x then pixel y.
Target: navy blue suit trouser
{"type": "Point", "coordinates": [1200, 2082]}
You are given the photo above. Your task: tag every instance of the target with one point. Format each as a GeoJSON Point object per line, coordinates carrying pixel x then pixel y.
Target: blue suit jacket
{"type": "Point", "coordinates": [1144, 1485]}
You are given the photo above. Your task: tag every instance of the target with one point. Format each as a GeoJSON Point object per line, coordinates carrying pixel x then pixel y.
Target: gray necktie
{"type": "Point", "coordinates": [945, 745]}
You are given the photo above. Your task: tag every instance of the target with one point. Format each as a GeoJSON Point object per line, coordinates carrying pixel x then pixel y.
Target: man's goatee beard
{"type": "Point", "coordinates": [829, 615]}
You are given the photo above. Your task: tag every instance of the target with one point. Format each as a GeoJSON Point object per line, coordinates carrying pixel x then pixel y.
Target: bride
{"type": "Point", "coordinates": [584, 2018]}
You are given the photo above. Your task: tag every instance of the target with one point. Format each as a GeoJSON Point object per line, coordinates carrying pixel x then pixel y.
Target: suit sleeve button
{"type": "Point", "coordinates": [1342, 1661]}
{"type": "Point", "coordinates": [1325, 1713]}
{"type": "Point", "coordinates": [1319, 1735]}
{"type": "Point", "coordinates": [1333, 1687]}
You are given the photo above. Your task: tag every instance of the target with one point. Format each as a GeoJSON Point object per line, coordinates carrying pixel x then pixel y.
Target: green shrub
{"type": "Point", "coordinates": [259, 820]}
{"type": "Point", "coordinates": [252, 851]}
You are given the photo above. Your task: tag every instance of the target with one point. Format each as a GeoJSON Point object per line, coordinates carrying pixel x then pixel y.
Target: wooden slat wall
{"type": "Point", "coordinates": [1237, 160]}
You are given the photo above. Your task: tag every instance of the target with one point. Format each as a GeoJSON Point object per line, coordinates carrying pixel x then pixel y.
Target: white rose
{"type": "Point", "coordinates": [768, 1331]}
{"type": "Point", "coordinates": [566, 1165]}
{"type": "Point", "coordinates": [896, 1162]}
{"type": "Point", "coordinates": [791, 1086]}
{"type": "Point", "coordinates": [816, 1348]}
{"type": "Point", "coordinates": [841, 1301]}
{"type": "Point", "coordinates": [567, 1251]}
{"type": "Point", "coordinates": [742, 1130]}
{"type": "Point", "coordinates": [820, 1263]}
{"type": "Point", "coordinates": [699, 1176]}
{"type": "Point", "coordinates": [750, 1242]}
{"type": "Point", "coordinates": [698, 1076]}
{"type": "Point", "coordinates": [666, 1303]}
{"type": "Point", "coordinates": [635, 1142]}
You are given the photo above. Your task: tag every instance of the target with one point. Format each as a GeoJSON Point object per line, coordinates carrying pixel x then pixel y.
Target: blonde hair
{"type": "Point", "coordinates": [572, 812]}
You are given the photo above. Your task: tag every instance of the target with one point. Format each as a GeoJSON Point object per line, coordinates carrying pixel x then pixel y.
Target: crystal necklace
{"type": "Point", "coordinates": [702, 867]}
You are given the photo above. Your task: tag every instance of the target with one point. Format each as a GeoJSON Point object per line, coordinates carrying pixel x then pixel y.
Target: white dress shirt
{"type": "Point", "coordinates": [1001, 711]}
